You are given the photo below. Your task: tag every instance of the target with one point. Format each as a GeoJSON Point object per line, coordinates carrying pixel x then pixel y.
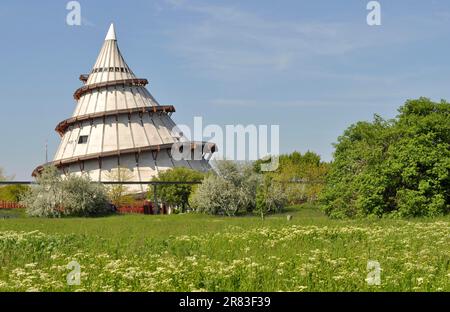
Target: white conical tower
{"type": "Point", "coordinates": [118, 123]}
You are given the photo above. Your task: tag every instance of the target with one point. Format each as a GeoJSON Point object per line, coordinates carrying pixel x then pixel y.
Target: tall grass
{"type": "Point", "coordinates": [197, 252]}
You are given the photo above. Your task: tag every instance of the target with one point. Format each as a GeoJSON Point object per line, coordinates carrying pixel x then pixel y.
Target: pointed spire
{"type": "Point", "coordinates": [110, 64]}
{"type": "Point", "coordinates": [111, 35]}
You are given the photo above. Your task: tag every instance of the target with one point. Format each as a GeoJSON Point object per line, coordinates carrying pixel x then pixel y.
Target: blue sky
{"type": "Point", "coordinates": [313, 67]}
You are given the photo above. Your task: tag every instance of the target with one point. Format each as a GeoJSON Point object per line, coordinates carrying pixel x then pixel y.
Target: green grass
{"type": "Point", "coordinates": [198, 252]}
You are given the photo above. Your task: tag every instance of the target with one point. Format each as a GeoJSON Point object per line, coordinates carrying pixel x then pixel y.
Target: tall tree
{"type": "Point", "coordinates": [398, 167]}
{"type": "Point", "coordinates": [176, 194]}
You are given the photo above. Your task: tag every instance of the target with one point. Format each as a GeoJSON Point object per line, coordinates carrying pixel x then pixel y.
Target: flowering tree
{"type": "Point", "coordinates": [233, 189]}
{"type": "Point", "coordinates": [54, 196]}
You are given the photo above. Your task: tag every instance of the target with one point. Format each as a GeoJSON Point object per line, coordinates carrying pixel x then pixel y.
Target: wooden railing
{"type": "Point", "coordinates": [143, 207]}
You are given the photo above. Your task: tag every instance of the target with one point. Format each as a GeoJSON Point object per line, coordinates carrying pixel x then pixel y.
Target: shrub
{"type": "Point", "coordinates": [216, 196]}
{"type": "Point", "coordinates": [233, 189]}
{"type": "Point", "coordinates": [54, 196]}
{"type": "Point", "coordinates": [243, 180]}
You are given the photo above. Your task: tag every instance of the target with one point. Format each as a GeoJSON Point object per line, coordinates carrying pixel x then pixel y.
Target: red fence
{"type": "Point", "coordinates": [144, 207]}
{"type": "Point", "coordinates": [9, 205]}
{"type": "Point", "coordinates": [131, 209]}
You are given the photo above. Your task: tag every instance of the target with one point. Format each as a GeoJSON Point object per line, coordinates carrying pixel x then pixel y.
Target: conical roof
{"type": "Point", "coordinates": [111, 85]}
{"type": "Point", "coordinates": [110, 64]}
{"type": "Point", "coordinates": [117, 123]}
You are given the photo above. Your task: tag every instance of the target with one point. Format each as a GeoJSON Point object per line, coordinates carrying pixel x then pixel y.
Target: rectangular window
{"type": "Point", "coordinates": [82, 139]}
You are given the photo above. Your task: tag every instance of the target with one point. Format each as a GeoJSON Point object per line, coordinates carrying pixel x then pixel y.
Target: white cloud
{"type": "Point", "coordinates": [226, 40]}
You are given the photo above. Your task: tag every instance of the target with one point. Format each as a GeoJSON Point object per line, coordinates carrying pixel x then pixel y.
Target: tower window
{"type": "Point", "coordinates": [82, 139]}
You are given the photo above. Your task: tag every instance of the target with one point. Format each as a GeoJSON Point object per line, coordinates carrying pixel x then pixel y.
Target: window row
{"type": "Point", "coordinates": [111, 69]}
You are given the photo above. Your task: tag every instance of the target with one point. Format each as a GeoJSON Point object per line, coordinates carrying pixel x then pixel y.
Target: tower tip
{"type": "Point", "coordinates": [111, 35]}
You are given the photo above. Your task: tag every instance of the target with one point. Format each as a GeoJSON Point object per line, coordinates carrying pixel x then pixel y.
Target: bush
{"type": "Point", "coordinates": [233, 189]}
{"type": "Point", "coordinates": [54, 196]}
{"type": "Point", "coordinates": [398, 167]}
{"type": "Point", "coordinates": [216, 196]}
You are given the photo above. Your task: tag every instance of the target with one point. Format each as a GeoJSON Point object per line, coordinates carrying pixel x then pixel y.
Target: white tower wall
{"type": "Point", "coordinates": [117, 123]}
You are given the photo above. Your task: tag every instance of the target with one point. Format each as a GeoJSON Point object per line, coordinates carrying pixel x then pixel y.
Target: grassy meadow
{"type": "Point", "coordinates": [194, 252]}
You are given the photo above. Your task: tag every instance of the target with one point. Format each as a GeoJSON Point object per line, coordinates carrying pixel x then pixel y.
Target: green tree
{"type": "Point", "coordinates": [176, 195]}
{"type": "Point", "coordinates": [399, 167]}
{"type": "Point", "coordinates": [119, 194]}
{"type": "Point", "coordinates": [270, 197]}
{"type": "Point", "coordinates": [302, 176]}
{"type": "Point", "coordinates": [11, 193]}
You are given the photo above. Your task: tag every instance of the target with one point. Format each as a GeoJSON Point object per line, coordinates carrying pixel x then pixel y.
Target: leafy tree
{"type": "Point", "coordinates": [270, 197]}
{"type": "Point", "coordinates": [13, 193]}
{"type": "Point", "coordinates": [119, 194]}
{"type": "Point", "coordinates": [302, 176]}
{"type": "Point", "coordinates": [398, 167]}
{"type": "Point", "coordinates": [176, 195]}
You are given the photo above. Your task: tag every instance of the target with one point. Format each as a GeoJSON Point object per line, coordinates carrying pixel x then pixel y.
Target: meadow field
{"type": "Point", "coordinates": [194, 252]}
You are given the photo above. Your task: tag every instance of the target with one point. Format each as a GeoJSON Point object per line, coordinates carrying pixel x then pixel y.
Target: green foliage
{"type": "Point", "coordinates": [176, 195]}
{"type": "Point", "coordinates": [13, 193]}
{"type": "Point", "coordinates": [197, 252]}
{"type": "Point", "coordinates": [270, 197]}
{"type": "Point", "coordinates": [398, 167]}
{"type": "Point", "coordinates": [54, 196]}
{"type": "Point", "coordinates": [118, 194]}
{"type": "Point", "coordinates": [302, 176]}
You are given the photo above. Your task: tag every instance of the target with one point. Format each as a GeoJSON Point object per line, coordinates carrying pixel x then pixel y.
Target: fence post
{"type": "Point", "coordinates": [155, 199]}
